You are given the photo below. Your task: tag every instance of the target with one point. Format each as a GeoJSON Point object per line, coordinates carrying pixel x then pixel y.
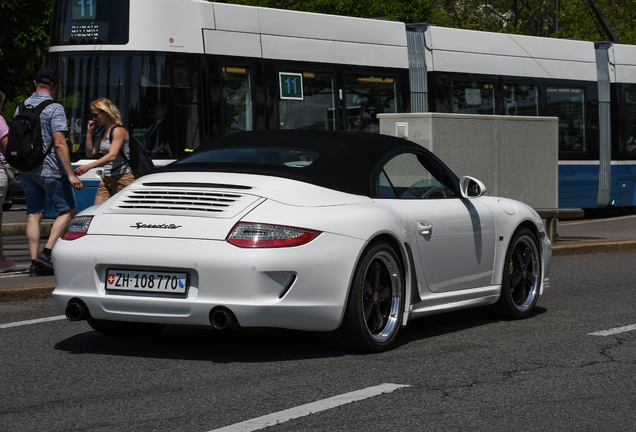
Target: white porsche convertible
{"type": "Point", "coordinates": [346, 233]}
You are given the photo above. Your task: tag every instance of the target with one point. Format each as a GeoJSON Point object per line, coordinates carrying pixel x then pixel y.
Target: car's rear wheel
{"type": "Point", "coordinates": [521, 277]}
{"type": "Point", "coordinates": [124, 328]}
{"type": "Point", "coordinates": [376, 301]}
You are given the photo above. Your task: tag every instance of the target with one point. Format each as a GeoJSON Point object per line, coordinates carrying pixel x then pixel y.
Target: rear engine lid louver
{"type": "Point", "coordinates": [183, 199]}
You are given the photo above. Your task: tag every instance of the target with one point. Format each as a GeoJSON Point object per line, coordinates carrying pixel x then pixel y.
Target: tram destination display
{"type": "Point", "coordinates": [90, 22]}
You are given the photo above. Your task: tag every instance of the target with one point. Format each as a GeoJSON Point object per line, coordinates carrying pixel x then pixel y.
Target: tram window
{"type": "Point", "coordinates": [473, 97]}
{"type": "Point", "coordinates": [164, 110]}
{"type": "Point", "coordinates": [187, 106]}
{"type": "Point", "coordinates": [151, 114]}
{"type": "Point", "coordinates": [237, 99]}
{"type": "Point", "coordinates": [317, 108]}
{"type": "Point", "coordinates": [83, 79]}
{"type": "Point", "coordinates": [521, 100]}
{"type": "Point", "coordinates": [367, 96]}
{"type": "Point", "coordinates": [629, 114]}
{"type": "Point", "coordinates": [568, 104]}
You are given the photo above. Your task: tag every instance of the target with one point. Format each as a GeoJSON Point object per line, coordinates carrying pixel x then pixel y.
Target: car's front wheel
{"type": "Point", "coordinates": [124, 329]}
{"type": "Point", "coordinates": [376, 301]}
{"type": "Point", "coordinates": [521, 277]}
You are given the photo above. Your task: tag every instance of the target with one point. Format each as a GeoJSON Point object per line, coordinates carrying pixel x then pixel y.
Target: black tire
{"type": "Point", "coordinates": [521, 277]}
{"type": "Point", "coordinates": [6, 206]}
{"type": "Point", "coordinates": [125, 329]}
{"type": "Point", "coordinates": [375, 305]}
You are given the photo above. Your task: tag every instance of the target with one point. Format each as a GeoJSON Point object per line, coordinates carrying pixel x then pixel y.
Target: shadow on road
{"type": "Point", "coordinates": [450, 322]}
{"type": "Point", "coordinates": [259, 345]}
{"type": "Point", "coordinates": [205, 344]}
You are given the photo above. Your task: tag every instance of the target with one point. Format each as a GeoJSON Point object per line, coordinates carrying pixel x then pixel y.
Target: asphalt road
{"type": "Point", "coordinates": [464, 370]}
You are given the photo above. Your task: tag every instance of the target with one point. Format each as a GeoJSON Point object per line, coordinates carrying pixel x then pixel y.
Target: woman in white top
{"type": "Point", "coordinates": [116, 174]}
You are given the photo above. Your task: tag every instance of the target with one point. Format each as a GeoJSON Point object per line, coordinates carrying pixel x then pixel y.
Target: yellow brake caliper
{"type": "Point", "coordinates": [512, 267]}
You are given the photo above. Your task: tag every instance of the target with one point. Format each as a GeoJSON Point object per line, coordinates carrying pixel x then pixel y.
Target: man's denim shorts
{"type": "Point", "coordinates": [37, 188]}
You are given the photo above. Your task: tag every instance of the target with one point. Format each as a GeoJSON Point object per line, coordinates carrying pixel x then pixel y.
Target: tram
{"type": "Point", "coordinates": [182, 72]}
{"type": "Point", "coordinates": [589, 87]}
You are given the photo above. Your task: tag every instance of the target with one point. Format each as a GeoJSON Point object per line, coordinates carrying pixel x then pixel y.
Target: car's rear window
{"type": "Point", "coordinates": [264, 156]}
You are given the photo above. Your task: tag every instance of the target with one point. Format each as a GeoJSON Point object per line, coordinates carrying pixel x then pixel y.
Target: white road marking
{"type": "Point", "coordinates": [614, 331]}
{"type": "Point", "coordinates": [35, 321]}
{"type": "Point", "coordinates": [310, 408]}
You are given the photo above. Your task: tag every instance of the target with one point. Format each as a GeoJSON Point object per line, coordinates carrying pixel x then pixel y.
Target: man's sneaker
{"type": "Point", "coordinates": [34, 271]}
{"type": "Point", "coordinates": [43, 263]}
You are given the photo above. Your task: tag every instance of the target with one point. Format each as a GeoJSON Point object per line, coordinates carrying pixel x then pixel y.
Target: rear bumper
{"type": "Point", "coordinates": [303, 287]}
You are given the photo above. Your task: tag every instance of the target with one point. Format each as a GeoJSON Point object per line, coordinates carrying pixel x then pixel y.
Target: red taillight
{"type": "Point", "coordinates": [77, 228]}
{"type": "Point", "coordinates": [255, 235]}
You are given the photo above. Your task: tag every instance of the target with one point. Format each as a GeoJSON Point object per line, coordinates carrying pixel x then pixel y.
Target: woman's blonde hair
{"type": "Point", "coordinates": [2, 96]}
{"type": "Point", "coordinates": [104, 104]}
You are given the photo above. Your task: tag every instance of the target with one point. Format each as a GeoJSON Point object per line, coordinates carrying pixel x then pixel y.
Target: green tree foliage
{"type": "Point", "coordinates": [576, 21]}
{"type": "Point", "coordinates": [540, 18]}
{"type": "Point", "coordinates": [24, 39]}
{"type": "Point", "coordinates": [530, 17]}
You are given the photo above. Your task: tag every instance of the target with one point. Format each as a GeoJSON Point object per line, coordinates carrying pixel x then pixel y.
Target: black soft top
{"type": "Point", "coordinates": [347, 161]}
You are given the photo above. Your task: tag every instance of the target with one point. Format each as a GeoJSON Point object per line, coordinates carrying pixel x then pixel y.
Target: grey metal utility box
{"type": "Point", "coordinates": [515, 157]}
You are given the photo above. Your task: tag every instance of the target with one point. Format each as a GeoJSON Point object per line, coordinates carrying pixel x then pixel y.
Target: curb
{"type": "Point", "coordinates": [26, 292]}
{"type": "Point", "coordinates": [590, 248]}
{"type": "Point", "coordinates": [12, 229]}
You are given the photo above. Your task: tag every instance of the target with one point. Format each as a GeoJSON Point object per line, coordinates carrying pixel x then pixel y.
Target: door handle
{"type": "Point", "coordinates": [424, 227]}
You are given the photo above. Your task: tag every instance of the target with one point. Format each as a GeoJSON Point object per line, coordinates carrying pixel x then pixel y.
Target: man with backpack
{"type": "Point", "coordinates": [53, 176]}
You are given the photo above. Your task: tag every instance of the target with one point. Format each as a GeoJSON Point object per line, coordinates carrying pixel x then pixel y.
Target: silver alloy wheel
{"type": "Point", "coordinates": [382, 296]}
{"type": "Point", "coordinates": [524, 273]}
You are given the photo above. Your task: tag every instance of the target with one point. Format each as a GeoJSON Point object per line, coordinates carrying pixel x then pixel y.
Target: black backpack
{"type": "Point", "coordinates": [25, 147]}
{"type": "Point", "coordinates": [140, 163]}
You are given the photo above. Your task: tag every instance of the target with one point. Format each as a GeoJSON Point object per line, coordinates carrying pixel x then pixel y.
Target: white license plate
{"type": "Point", "coordinates": [145, 281]}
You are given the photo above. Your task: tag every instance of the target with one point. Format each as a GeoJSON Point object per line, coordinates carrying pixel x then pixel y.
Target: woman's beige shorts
{"type": "Point", "coordinates": [111, 185]}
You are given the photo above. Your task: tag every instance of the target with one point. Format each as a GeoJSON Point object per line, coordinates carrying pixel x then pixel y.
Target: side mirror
{"type": "Point", "coordinates": [471, 187]}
